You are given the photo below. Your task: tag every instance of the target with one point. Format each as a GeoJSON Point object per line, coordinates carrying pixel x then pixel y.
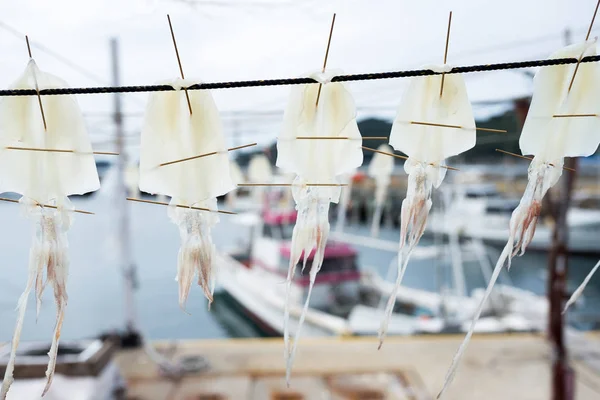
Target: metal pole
{"type": "Point", "coordinates": [122, 206]}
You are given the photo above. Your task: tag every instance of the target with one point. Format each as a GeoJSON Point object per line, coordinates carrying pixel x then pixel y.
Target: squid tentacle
{"type": "Point", "coordinates": [49, 249]}
{"type": "Point", "coordinates": [413, 219]}
{"type": "Point", "coordinates": [311, 232]}
{"type": "Point", "coordinates": [322, 233]}
{"type": "Point", "coordinates": [488, 291]}
{"type": "Point", "coordinates": [196, 253]}
{"type": "Point", "coordinates": [581, 287]}
{"type": "Point", "coordinates": [35, 264]}
{"type": "Point", "coordinates": [522, 226]}
{"type": "Point", "coordinates": [57, 261]}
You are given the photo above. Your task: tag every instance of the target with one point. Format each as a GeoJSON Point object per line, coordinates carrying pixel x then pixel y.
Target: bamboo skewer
{"type": "Point", "coordinates": [573, 115]}
{"type": "Point", "coordinates": [292, 184]}
{"type": "Point", "coordinates": [404, 157]}
{"type": "Point", "coordinates": [326, 55]}
{"type": "Point", "coordinates": [446, 52]}
{"type": "Point", "coordinates": [37, 89]}
{"type": "Point", "coordinates": [340, 138]}
{"type": "Point", "coordinates": [187, 96]}
{"type": "Point", "coordinates": [457, 126]}
{"type": "Point", "coordinates": [204, 155]}
{"type": "Point", "coordinates": [46, 205]}
{"type": "Point", "coordinates": [586, 39]}
{"type": "Point", "coordinates": [528, 158]}
{"type": "Point", "coordinates": [160, 203]}
{"type": "Point", "coordinates": [108, 153]}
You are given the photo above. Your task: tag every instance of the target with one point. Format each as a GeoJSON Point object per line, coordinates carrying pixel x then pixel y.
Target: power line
{"type": "Point", "coordinates": [299, 81]}
{"type": "Point", "coordinates": [66, 61]}
{"type": "Point", "coordinates": [83, 71]}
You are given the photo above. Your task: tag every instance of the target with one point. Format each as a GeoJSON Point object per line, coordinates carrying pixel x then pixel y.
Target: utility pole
{"type": "Point", "coordinates": [131, 336]}
{"type": "Point", "coordinates": [563, 376]}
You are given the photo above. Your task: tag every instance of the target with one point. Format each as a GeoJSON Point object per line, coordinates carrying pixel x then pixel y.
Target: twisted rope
{"type": "Point", "coordinates": [299, 81]}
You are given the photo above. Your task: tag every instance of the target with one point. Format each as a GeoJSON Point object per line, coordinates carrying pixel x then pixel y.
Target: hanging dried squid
{"type": "Point", "coordinates": [170, 133]}
{"type": "Point", "coordinates": [44, 178]}
{"type": "Point", "coordinates": [380, 169]}
{"type": "Point", "coordinates": [427, 148]}
{"type": "Point", "coordinates": [549, 139]}
{"type": "Point", "coordinates": [315, 161]}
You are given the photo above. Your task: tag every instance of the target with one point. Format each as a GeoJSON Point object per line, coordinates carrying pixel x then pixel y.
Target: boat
{"type": "Point", "coordinates": [348, 300]}
{"type": "Point", "coordinates": [478, 211]}
{"type": "Point", "coordinates": [256, 281]}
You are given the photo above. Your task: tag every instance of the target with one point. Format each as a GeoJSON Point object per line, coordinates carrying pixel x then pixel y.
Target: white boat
{"type": "Point", "coordinates": [477, 211]}
{"type": "Point", "coordinates": [349, 301]}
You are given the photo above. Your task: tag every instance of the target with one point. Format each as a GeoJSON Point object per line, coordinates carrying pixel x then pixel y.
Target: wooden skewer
{"type": "Point", "coordinates": [456, 126]}
{"type": "Point", "coordinates": [574, 115]}
{"type": "Point", "coordinates": [491, 130]}
{"type": "Point", "coordinates": [108, 153]}
{"type": "Point", "coordinates": [404, 157]}
{"type": "Point", "coordinates": [436, 124]}
{"type": "Point", "coordinates": [187, 96]}
{"type": "Point", "coordinates": [586, 39]}
{"type": "Point", "coordinates": [291, 184]}
{"type": "Point", "coordinates": [204, 155]}
{"type": "Point", "coordinates": [37, 89]}
{"type": "Point", "coordinates": [446, 51]}
{"type": "Point", "coordinates": [46, 205]}
{"type": "Point", "coordinates": [342, 138]}
{"type": "Point", "coordinates": [529, 158]}
{"type": "Point", "coordinates": [326, 55]}
{"type": "Point", "coordinates": [160, 203]}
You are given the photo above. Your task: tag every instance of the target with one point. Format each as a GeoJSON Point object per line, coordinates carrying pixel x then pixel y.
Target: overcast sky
{"type": "Point", "coordinates": [222, 40]}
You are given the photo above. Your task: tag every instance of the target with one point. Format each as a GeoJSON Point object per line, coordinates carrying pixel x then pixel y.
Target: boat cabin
{"type": "Point", "coordinates": [338, 281]}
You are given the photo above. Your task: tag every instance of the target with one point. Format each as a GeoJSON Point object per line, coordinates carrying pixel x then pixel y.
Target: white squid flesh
{"type": "Point", "coordinates": [197, 251]}
{"type": "Point", "coordinates": [170, 133]}
{"type": "Point", "coordinates": [427, 147]}
{"type": "Point", "coordinates": [549, 139]}
{"type": "Point", "coordinates": [315, 161]}
{"type": "Point", "coordinates": [44, 178]}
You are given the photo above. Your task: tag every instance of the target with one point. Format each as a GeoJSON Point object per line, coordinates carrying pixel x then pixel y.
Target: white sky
{"type": "Point", "coordinates": [256, 39]}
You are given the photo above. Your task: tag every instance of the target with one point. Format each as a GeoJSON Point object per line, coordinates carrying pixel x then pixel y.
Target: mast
{"type": "Point", "coordinates": [122, 208]}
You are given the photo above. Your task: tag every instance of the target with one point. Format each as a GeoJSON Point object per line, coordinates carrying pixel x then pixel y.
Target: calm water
{"type": "Point", "coordinates": [95, 284]}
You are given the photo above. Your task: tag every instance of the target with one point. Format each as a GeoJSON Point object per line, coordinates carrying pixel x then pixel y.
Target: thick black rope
{"type": "Point", "coordinates": [300, 81]}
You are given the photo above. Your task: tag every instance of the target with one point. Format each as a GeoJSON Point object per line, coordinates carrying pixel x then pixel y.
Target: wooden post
{"type": "Point", "coordinates": [563, 376]}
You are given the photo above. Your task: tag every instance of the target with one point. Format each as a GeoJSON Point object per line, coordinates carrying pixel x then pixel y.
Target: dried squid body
{"type": "Point", "coordinates": [422, 178]}
{"type": "Point", "coordinates": [310, 232]}
{"type": "Point", "coordinates": [44, 178]}
{"type": "Point", "coordinates": [380, 169]}
{"type": "Point", "coordinates": [197, 250]}
{"type": "Point", "coordinates": [315, 161]}
{"type": "Point", "coordinates": [427, 147]}
{"type": "Point", "coordinates": [171, 133]}
{"type": "Point", "coordinates": [549, 139]}
{"type": "Point", "coordinates": [334, 116]}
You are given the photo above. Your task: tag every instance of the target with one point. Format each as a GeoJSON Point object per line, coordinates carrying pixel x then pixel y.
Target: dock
{"type": "Point", "coordinates": [495, 367]}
